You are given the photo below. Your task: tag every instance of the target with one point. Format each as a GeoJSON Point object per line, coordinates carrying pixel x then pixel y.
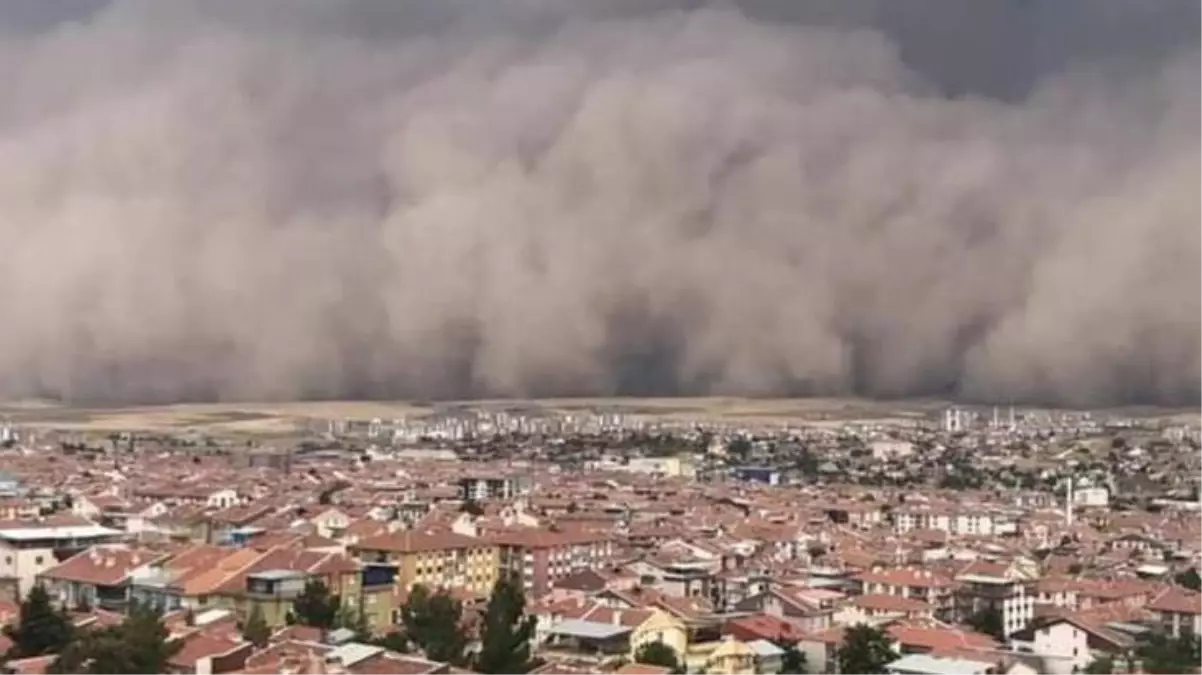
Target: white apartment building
{"type": "Point", "coordinates": [26, 552]}
{"type": "Point", "coordinates": [1010, 597]}
{"type": "Point", "coordinates": [954, 521]}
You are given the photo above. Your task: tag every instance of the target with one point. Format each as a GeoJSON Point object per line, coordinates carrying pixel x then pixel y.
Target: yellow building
{"type": "Point", "coordinates": [661, 627]}
{"type": "Point", "coordinates": [272, 592]}
{"type": "Point", "coordinates": [699, 645]}
{"type": "Point", "coordinates": [435, 560]}
{"type": "Point", "coordinates": [732, 657]}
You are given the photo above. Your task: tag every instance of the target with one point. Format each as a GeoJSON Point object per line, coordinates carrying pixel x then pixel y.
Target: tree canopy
{"type": "Point", "coordinates": [505, 640]}
{"type": "Point", "coordinates": [1160, 653]}
{"type": "Point", "coordinates": [140, 644]}
{"type": "Point", "coordinates": [40, 629]}
{"type": "Point", "coordinates": [316, 606]}
{"type": "Point", "coordinates": [1189, 579]}
{"type": "Point", "coordinates": [865, 650]}
{"type": "Point", "coordinates": [792, 662]}
{"type": "Point", "coordinates": [433, 622]}
{"type": "Point", "coordinates": [658, 654]}
{"type": "Point", "coordinates": [989, 622]}
{"type": "Point", "coordinates": [256, 631]}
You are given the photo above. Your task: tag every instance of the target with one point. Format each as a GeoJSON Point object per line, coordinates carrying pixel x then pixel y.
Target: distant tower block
{"type": "Point", "coordinates": [953, 420]}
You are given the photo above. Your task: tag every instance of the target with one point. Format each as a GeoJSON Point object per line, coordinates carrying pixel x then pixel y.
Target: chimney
{"type": "Point", "coordinates": [617, 617]}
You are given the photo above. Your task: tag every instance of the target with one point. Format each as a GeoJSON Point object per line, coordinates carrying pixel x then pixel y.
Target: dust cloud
{"type": "Point", "coordinates": [234, 201]}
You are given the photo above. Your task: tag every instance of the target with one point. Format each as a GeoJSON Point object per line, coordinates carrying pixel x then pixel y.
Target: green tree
{"type": "Point", "coordinates": [394, 641]}
{"type": "Point", "coordinates": [256, 631]}
{"type": "Point", "coordinates": [865, 650]}
{"type": "Point", "coordinates": [505, 640]}
{"type": "Point", "coordinates": [738, 449]}
{"type": "Point", "coordinates": [146, 642]}
{"type": "Point", "coordinates": [40, 629]}
{"type": "Point", "coordinates": [989, 622]}
{"type": "Point", "coordinates": [316, 606]}
{"type": "Point", "coordinates": [658, 654]}
{"type": "Point", "coordinates": [356, 622]}
{"type": "Point", "coordinates": [1102, 666]}
{"type": "Point", "coordinates": [1189, 579]}
{"type": "Point", "coordinates": [433, 623]}
{"type": "Point", "coordinates": [792, 662]}
{"type": "Point", "coordinates": [1160, 653]}
{"type": "Point", "coordinates": [140, 644]}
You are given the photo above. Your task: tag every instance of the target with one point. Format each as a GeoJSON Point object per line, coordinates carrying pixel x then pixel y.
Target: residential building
{"type": "Point", "coordinates": [435, 560]}
{"type": "Point", "coordinates": [984, 589]}
{"type": "Point", "coordinates": [29, 548]}
{"type": "Point", "coordinates": [481, 488]}
{"type": "Point", "coordinates": [542, 557]}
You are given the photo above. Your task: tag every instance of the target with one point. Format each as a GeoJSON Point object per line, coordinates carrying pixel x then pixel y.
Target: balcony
{"type": "Point", "coordinates": [275, 584]}
{"type": "Point", "coordinates": [379, 575]}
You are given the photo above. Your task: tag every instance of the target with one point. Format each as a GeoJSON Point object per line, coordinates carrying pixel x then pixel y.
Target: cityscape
{"type": "Point", "coordinates": [992, 539]}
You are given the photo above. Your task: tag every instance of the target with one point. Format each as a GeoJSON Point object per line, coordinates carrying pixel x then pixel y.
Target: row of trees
{"type": "Point", "coordinates": [139, 644]}
{"type": "Point", "coordinates": [432, 621]}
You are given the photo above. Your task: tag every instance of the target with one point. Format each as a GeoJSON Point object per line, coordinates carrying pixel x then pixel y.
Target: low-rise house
{"type": "Point", "coordinates": [812, 609]}
{"type": "Point", "coordinates": [1179, 611]}
{"type": "Point", "coordinates": [97, 577]}
{"type": "Point", "coordinates": [1071, 642]}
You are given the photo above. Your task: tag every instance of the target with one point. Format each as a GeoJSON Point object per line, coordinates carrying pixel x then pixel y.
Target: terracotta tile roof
{"type": "Point", "coordinates": [410, 541]}
{"type": "Point", "coordinates": [906, 576]}
{"type": "Point", "coordinates": [763, 627]}
{"type": "Point", "coordinates": [202, 644]}
{"type": "Point", "coordinates": [206, 580]}
{"type": "Point", "coordinates": [286, 558]}
{"type": "Point", "coordinates": [101, 565]}
{"type": "Point", "coordinates": [890, 603]}
{"type": "Point", "coordinates": [1177, 600]}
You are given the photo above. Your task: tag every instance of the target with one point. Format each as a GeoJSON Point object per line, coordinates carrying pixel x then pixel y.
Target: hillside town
{"type": "Point", "coordinates": [969, 541]}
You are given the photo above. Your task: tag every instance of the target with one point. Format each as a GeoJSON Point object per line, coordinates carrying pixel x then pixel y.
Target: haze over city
{"type": "Point", "coordinates": [229, 201]}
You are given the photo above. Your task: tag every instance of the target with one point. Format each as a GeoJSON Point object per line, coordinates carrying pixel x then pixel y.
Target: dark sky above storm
{"type": "Point", "coordinates": [995, 200]}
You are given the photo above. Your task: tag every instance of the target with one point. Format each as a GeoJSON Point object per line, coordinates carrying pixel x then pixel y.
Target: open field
{"type": "Point", "coordinates": [250, 418]}
{"type": "Point", "coordinates": [284, 417]}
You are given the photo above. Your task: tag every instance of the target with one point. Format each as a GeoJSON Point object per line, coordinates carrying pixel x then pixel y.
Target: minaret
{"type": "Point", "coordinates": [996, 422]}
{"type": "Point", "coordinates": [1068, 503]}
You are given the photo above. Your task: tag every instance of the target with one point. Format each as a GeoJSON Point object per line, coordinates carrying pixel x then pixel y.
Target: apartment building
{"type": "Point", "coordinates": [434, 559]}
{"type": "Point", "coordinates": [967, 521]}
{"type": "Point", "coordinates": [982, 587]}
{"type": "Point", "coordinates": [28, 549]}
{"type": "Point", "coordinates": [542, 557]}
{"type": "Point", "coordinates": [932, 588]}
{"type": "Point", "coordinates": [480, 488]}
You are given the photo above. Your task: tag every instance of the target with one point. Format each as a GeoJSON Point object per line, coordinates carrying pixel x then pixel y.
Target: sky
{"type": "Point", "coordinates": [993, 201]}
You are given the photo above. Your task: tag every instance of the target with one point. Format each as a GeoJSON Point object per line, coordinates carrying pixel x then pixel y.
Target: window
{"type": "Point", "coordinates": [38, 560]}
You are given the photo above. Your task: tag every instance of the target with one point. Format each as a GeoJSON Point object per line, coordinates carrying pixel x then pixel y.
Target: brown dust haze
{"type": "Point", "coordinates": [349, 199]}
